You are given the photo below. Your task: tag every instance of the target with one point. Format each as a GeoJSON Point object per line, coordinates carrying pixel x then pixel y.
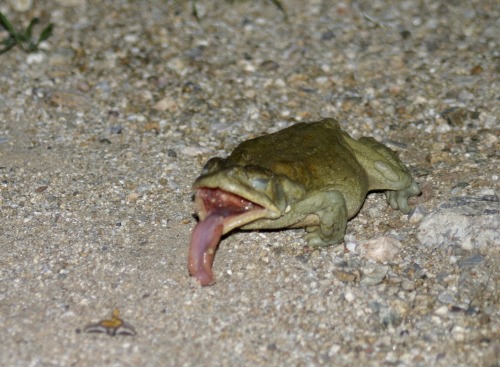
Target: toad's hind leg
{"type": "Point", "coordinates": [330, 208]}
{"type": "Point", "coordinates": [387, 172]}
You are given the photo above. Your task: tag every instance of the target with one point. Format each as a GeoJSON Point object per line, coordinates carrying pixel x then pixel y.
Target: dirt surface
{"type": "Point", "coordinates": [103, 131]}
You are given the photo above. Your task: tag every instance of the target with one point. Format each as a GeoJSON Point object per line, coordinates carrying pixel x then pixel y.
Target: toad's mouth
{"type": "Point", "coordinates": [219, 211]}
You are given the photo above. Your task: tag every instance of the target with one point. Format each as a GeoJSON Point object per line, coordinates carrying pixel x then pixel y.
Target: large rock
{"type": "Point", "coordinates": [469, 222]}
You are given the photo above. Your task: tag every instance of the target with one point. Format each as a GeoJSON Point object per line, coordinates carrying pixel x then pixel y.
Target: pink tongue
{"type": "Point", "coordinates": [204, 240]}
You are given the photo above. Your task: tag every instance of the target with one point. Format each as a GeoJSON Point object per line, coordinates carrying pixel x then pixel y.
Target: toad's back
{"type": "Point", "coordinates": [313, 154]}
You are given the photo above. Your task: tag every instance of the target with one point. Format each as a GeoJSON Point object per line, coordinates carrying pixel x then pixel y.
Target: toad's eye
{"type": "Point", "coordinates": [259, 183]}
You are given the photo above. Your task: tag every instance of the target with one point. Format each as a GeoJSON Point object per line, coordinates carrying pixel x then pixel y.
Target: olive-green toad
{"type": "Point", "coordinates": [311, 175]}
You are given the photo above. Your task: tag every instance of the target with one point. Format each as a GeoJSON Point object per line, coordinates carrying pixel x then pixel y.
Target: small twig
{"type": "Point", "coordinates": [374, 20]}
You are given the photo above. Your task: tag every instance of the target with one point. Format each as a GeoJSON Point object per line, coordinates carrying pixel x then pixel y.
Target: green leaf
{"type": "Point", "coordinates": [194, 11]}
{"type": "Point", "coordinates": [29, 30]}
{"type": "Point", "coordinates": [23, 40]}
{"type": "Point", "coordinates": [6, 24]}
{"type": "Point", "coordinates": [8, 27]}
{"type": "Point", "coordinates": [46, 33]}
{"type": "Point", "coordinates": [9, 43]}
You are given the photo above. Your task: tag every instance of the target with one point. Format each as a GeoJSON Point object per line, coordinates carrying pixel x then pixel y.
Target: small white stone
{"type": "Point", "coordinates": [351, 246]}
{"type": "Point", "coordinates": [280, 83]}
{"type": "Point", "coordinates": [166, 104]}
{"type": "Point", "coordinates": [417, 214]}
{"type": "Point", "coordinates": [247, 66]}
{"type": "Point", "coordinates": [321, 80]}
{"type": "Point", "coordinates": [131, 38]}
{"type": "Point", "coordinates": [408, 285]}
{"type": "Point", "coordinates": [443, 128]}
{"type": "Point", "coordinates": [194, 151]}
{"type": "Point", "coordinates": [349, 296]}
{"type": "Point", "coordinates": [420, 100]}
{"type": "Point", "coordinates": [334, 350]}
{"type": "Point", "coordinates": [458, 333]}
{"type": "Point", "coordinates": [442, 311]}
{"type": "Point", "coordinates": [35, 58]}
{"type": "Point", "coordinates": [436, 320]}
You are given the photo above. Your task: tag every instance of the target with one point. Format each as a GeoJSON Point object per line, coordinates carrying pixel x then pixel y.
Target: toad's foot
{"type": "Point", "coordinates": [399, 199]}
{"type": "Point", "coordinates": [332, 220]}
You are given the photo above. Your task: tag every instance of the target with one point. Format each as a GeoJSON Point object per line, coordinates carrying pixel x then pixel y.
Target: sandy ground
{"type": "Point", "coordinates": [104, 130]}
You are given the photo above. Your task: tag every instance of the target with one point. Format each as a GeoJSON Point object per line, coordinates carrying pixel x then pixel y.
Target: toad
{"type": "Point", "coordinates": [311, 175]}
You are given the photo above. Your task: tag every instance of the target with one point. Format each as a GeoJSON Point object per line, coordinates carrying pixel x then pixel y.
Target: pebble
{"type": "Point", "coordinates": [69, 99]}
{"type": "Point", "coordinates": [345, 276]}
{"type": "Point", "coordinates": [194, 151]}
{"type": "Point", "coordinates": [387, 315]}
{"type": "Point", "coordinates": [456, 116]}
{"type": "Point", "coordinates": [414, 271]}
{"type": "Point", "coordinates": [417, 214]}
{"type": "Point", "coordinates": [381, 249]}
{"type": "Point", "coordinates": [442, 311]}
{"type": "Point", "coordinates": [351, 246]}
{"type": "Point", "coordinates": [35, 58]}
{"type": "Point", "coordinates": [179, 65]}
{"type": "Point", "coordinates": [471, 261]}
{"type": "Point", "coordinates": [349, 296]}
{"type": "Point", "coordinates": [167, 104]}
{"type": "Point", "coordinates": [374, 276]}
{"type": "Point", "coordinates": [334, 350]}
{"type": "Point", "coordinates": [458, 333]}
{"type": "Point", "coordinates": [408, 285]}
{"type": "Point", "coordinates": [446, 297]}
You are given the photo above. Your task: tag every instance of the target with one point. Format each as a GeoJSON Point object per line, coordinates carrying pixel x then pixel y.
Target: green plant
{"type": "Point", "coordinates": [23, 39]}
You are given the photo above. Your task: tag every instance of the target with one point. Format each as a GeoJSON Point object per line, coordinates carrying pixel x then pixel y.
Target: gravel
{"type": "Point", "coordinates": [104, 129]}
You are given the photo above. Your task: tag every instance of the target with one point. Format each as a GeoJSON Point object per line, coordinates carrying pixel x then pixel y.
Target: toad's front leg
{"type": "Point", "coordinates": [399, 199]}
{"type": "Point", "coordinates": [330, 210]}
